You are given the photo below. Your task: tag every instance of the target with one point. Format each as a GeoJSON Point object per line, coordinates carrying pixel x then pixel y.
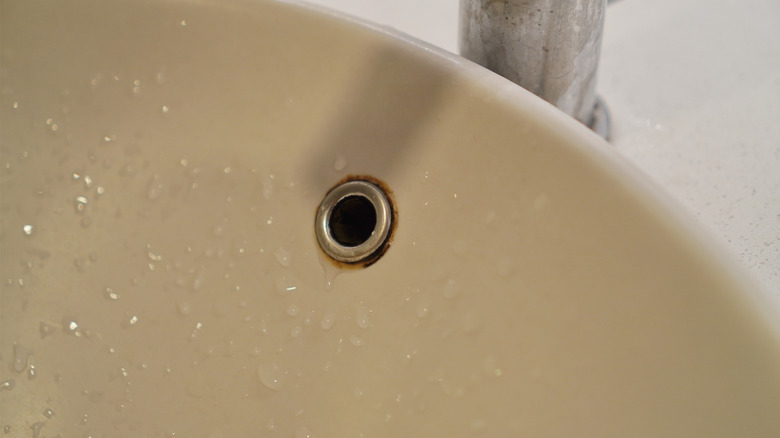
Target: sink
{"type": "Point", "coordinates": [162, 167]}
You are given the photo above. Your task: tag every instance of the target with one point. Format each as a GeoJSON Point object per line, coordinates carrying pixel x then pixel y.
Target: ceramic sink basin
{"type": "Point", "coordinates": [162, 164]}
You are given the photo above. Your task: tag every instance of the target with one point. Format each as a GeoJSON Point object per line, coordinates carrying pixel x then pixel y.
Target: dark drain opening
{"type": "Point", "coordinates": [355, 221]}
{"type": "Point", "coordinates": [352, 221]}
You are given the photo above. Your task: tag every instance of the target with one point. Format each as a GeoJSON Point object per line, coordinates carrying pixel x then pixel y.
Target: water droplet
{"type": "Point", "coordinates": [155, 188]}
{"type": "Point", "coordinates": [283, 257]}
{"type": "Point", "coordinates": [303, 432]}
{"type": "Point", "coordinates": [328, 320]}
{"type": "Point", "coordinates": [21, 355]}
{"type": "Point", "coordinates": [88, 181]}
{"type": "Point", "coordinates": [154, 257]}
{"type": "Point", "coordinates": [133, 320]}
{"type": "Point", "coordinates": [32, 372]}
{"type": "Point", "coordinates": [136, 87]}
{"type": "Point", "coordinates": [423, 307]}
{"type": "Point", "coordinates": [330, 271]}
{"type": "Point", "coordinates": [165, 109]}
{"type": "Point", "coordinates": [81, 204]}
{"type": "Point", "coordinates": [197, 282]}
{"type": "Point", "coordinates": [48, 413]}
{"type": "Point", "coordinates": [184, 308]}
{"type": "Point", "coordinates": [36, 428]}
{"type": "Point", "coordinates": [15, 105]}
{"type": "Point", "coordinates": [46, 329]}
{"type": "Point", "coordinates": [272, 376]}
{"type": "Point", "coordinates": [7, 385]}
{"type": "Point", "coordinates": [28, 230]}
{"type": "Point", "coordinates": [490, 368]}
{"type": "Point", "coordinates": [109, 138]}
{"type": "Point", "coordinates": [339, 163]}
{"type": "Point", "coordinates": [362, 317]}
{"type": "Point", "coordinates": [160, 77]}
{"type": "Point", "coordinates": [357, 341]}
{"type": "Point", "coordinates": [73, 326]}
{"type": "Point", "coordinates": [183, 23]}
{"type": "Point", "coordinates": [100, 190]}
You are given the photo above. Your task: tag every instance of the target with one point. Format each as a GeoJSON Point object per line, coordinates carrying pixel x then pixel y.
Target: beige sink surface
{"type": "Point", "coordinates": [161, 166]}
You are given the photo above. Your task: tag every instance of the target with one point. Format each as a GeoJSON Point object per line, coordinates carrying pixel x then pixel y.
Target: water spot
{"type": "Point", "coordinates": [81, 204]}
{"type": "Point", "coordinates": [100, 190]}
{"type": "Point", "coordinates": [161, 76]}
{"type": "Point", "coordinates": [184, 308]}
{"type": "Point", "coordinates": [303, 432]}
{"type": "Point", "coordinates": [88, 181]}
{"type": "Point", "coordinates": [272, 376]}
{"type": "Point", "coordinates": [86, 222]}
{"type": "Point", "coordinates": [28, 230]}
{"type": "Point", "coordinates": [183, 23]}
{"type": "Point", "coordinates": [339, 163]}
{"type": "Point", "coordinates": [198, 327]}
{"type": "Point", "coordinates": [48, 413]}
{"type": "Point", "coordinates": [296, 331]}
{"type": "Point", "coordinates": [155, 188]}
{"type": "Point", "coordinates": [423, 307]}
{"type": "Point", "coordinates": [109, 138]}
{"type": "Point", "coordinates": [15, 105]}
{"type": "Point", "coordinates": [46, 329]}
{"type": "Point", "coordinates": [32, 372]}
{"type": "Point", "coordinates": [21, 354]}
{"type": "Point", "coordinates": [292, 310]}
{"type": "Point", "coordinates": [283, 257]}
{"type": "Point", "coordinates": [7, 385]}
{"type": "Point", "coordinates": [76, 176]}
{"type": "Point", "coordinates": [136, 87]}
{"type": "Point", "coordinates": [154, 257]}
{"type": "Point", "coordinates": [133, 320]}
{"type": "Point", "coordinates": [197, 282]}
{"type": "Point", "coordinates": [328, 320]}
{"type": "Point", "coordinates": [165, 109]}
{"type": "Point", "coordinates": [36, 428]}
{"type": "Point", "coordinates": [363, 317]}
{"type": "Point", "coordinates": [330, 271]}
{"type": "Point", "coordinates": [451, 289]}
{"type": "Point", "coordinates": [357, 341]}
{"type": "Point", "coordinates": [270, 425]}
{"type": "Point", "coordinates": [490, 368]}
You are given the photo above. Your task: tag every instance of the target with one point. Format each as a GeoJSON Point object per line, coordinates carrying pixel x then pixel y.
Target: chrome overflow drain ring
{"type": "Point", "coordinates": [354, 222]}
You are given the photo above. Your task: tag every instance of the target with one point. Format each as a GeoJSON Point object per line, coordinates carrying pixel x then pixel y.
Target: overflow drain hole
{"type": "Point", "coordinates": [355, 221]}
{"type": "Point", "coordinates": [352, 221]}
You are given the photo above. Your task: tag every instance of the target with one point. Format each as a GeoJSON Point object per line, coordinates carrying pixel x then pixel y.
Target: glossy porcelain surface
{"type": "Point", "coordinates": [162, 163]}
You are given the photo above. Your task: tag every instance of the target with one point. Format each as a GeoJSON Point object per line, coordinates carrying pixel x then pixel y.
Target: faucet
{"type": "Point", "coordinates": [549, 47]}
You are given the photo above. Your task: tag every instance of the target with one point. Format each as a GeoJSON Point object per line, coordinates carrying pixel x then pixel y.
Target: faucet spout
{"type": "Point", "coordinates": [549, 47]}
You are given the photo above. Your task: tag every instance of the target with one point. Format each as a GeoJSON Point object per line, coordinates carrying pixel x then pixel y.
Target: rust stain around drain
{"type": "Point", "coordinates": [375, 256]}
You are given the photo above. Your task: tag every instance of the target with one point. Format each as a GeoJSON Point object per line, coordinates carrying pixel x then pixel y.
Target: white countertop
{"type": "Point", "coordinates": [693, 87]}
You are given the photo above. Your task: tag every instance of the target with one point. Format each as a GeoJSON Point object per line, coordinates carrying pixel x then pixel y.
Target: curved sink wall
{"type": "Point", "coordinates": [162, 163]}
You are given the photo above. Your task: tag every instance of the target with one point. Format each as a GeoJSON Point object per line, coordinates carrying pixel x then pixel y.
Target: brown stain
{"type": "Point", "coordinates": [373, 258]}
